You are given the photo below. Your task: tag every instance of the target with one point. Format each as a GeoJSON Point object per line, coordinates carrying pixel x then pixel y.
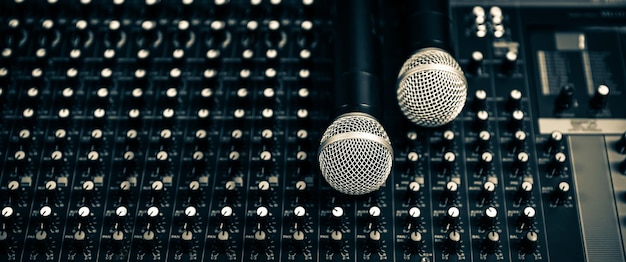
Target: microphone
{"type": "Point", "coordinates": [355, 153]}
{"type": "Point", "coordinates": [431, 87]}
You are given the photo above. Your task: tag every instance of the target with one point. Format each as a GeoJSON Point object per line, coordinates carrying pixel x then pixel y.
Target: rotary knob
{"type": "Point", "coordinates": [524, 192]}
{"type": "Point", "coordinates": [560, 193]}
{"type": "Point", "coordinates": [374, 241]}
{"type": "Point", "coordinates": [489, 218]}
{"type": "Point", "coordinates": [529, 242]}
{"type": "Point", "coordinates": [336, 241]}
{"type": "Point", "coordinates": [565, 100]}
{"type": "Point", "coordinates": [526, 219]}
{"type": "Point", "coordinates": [485, 164]}
{"type": "Point", "coordinates": [600, 98]}
{"type": "Point", "coordinates": [261, 240]}
{"type": "Point", "coordinates": [415, 242]}
{"type": "Point", "coordinates": [514, 101]}
{"type": "Point", "coordinates": [414, 218]}
{"type": "Point", "coordinates": [475, 63]}
{"type": "Point", "coordinates": [413, 192]}
{"type": "Point", "coordinates": [337, 217]}
{"type": "Point", "coordinates": [298, 241]}
{"type": "Point", "coordinates": [554, 143]}
{"type": "Point", "coordinates": [448, 164]}
{"type": "Point", "coordinates": [509, 62]}
{"type": "Point", "coordinates": [520, 164]}
{"type": "Point", "coordinates": [491, 242]}
{"type": "Point", "coordinates": [557, 164]}
{"type": "Point", "coordinates": [621, 144]}
{"type": "Point", "coordinates": [450, 221]}
{"type": "Point", "coordinates": [487, 192]}
{"type": "Point", "coordinates": [450, 193]}
{"type": "Point", "coordinates": [453, 242]}
{"type": "Point", "coordinates": [479, 103]}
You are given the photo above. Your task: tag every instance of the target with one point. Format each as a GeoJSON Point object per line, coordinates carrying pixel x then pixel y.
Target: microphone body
{"type": "Point", "coordinates": [431, 87]}
{"type": "Point", "coordinates": [355, 153]}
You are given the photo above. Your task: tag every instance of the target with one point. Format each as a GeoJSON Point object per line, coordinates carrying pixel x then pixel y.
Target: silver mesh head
{"type": "Point", "coordinates": [355, 154]}
{"type": "Point", "coordinates": [431, 88]}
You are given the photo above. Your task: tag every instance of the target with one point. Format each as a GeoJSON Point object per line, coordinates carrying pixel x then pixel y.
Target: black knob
{"type": "Point", "coordinates": [250, 36]}
{"type": "Point", "coordinates": [447, 140]}
{"type": "Point", "coordinates": [117, 241]}
{"type": "Point", "coordinates": [448, 164]}
{"type": "Point", "coordinates": [475, 63]}
{"type": "Point", "coordinates": [489, 218]}
{"type": "Point", "coordinates": [298, 241]}
{"type": "Point", "coordinates": [7, 218]}
{"type": "Point", "coordinates": [450, 193]}
{"type": "Point", "coordinates": [509, 62]}
{"type": "Point", "coordinates": [526, 219]}
{"type": "Point", "coordinates": [518, 142]}
{"type": "Point", "coordinates": [482, 141]}
{"type": "Point", "coordinates": [514, 101]}
{"type": "Point", "coordinates": [565, 100]}
{"type": "Point", "coordinates": [186, 241]}
{"type": "Point", "coordinates": [529, 241]}
{"type": "Point", "coordinates": [481, 121]}
{"type": "Point", "coordinates": [452, 242]}
{"type": "Point", "coordinates": [222, 241]}
{"type": "Point", "coordinates": [226, 215]}
{"type": "Point", "coordinates": [521, 163]}
{"type": "Point", "coordinates": [600, 98]}
{"type": "Point", "coordinates": [79, 241]}
{"type": "Point", "coordinates": [374, 218]}
{"type": "Point", "coordinates": [42, 241]}
{"type": "Point", "coordinates": [621, 144]}
{"type": "Point", "coordinates": [261, 241]}
{"type": "Point", "coordinates": [299, 217]}
{"type": "Point", "coordinates": [189, 216]}
{"type": "Point", "coordinates": [374, 241]}
{"type": "Point", "coordinates": [217, 35]}
{"type": "Point", "coordinates": [46, 216]}
{"type": "Point", "coordinates": [153, 216]}
{"type": "Point", "coordinates": [554, 143]}
{"type": "Point", "coordinates": [148, 241]}
{"type": "Point", "coordinates": [487, 192]}
{"type": "Point", "coordinates": [557, 164]}
{"type": "Point", "coordinates": [413, 192]}
{"type": "Point", "coordinates": [183, 34]}
{"type": "Point", "coordinates": [262, 217]}
{"type": "Point", "coordinates": [450, 221]}
{"type": "Point", "coordinates": [491, 242]}
{"type": "Point", "coordinates": [336, 217]}
{"type": "Point", "coordinates": [484, 164]}
{"type": "Point", "coordinates": [415, 242]}
{"type": "Point", "coordinates": [516, 122]}
{"type": "Point", "coordinates": [114, 34]}
{"type": "Point", "coordinates": [524, 192]}
{"type": "Point", "coordinates": [622, 167]}
{"type": "Point", "coordinates": [306, 36]}
{"type": "Point", "coordinates": [560, 194]}
{"type": "Point", "coordinates": [121, 213]}
{"type": "Point", "coordinates": [336, 242]}
{"type": "Point", "coordinates": [480, 100]}
{"type": "Point", "coordinates": [414, 218]}
{"type": "Point", "coordinates": [275, 36]}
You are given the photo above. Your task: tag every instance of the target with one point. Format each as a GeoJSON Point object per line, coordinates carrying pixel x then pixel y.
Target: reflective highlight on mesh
{"type": "Point", "coordinates": [355, 165]}
{"type": "Point", "coordinates": [431, 88]}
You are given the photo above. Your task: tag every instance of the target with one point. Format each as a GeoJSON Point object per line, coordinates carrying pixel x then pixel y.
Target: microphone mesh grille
{"type": "Point", "coordinates": [356, 164]}
{"type": "Point", "coordinates": [431, 88]}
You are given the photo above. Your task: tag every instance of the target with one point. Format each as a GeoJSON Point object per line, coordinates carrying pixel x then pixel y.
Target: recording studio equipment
{"type": "Point", "coordinates": [431, 87]}
{"type": "Point", "coordinates": [188, 131]}
{"type": "Point", "coordinates": [355, 154]}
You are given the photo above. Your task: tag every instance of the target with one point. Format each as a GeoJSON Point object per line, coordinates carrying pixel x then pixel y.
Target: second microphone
{"type": "Point", "coordinates": [355, 153]}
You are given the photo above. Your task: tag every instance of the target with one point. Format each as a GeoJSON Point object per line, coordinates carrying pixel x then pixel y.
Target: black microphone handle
{"type": "Point", "coordinates": [429, 24]}
{"type": "Point", "coordinates": [357, 86]}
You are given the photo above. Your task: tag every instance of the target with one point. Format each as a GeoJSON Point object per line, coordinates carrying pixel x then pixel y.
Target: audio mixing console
{"type": "Point", "coordinates": [189, 131]}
